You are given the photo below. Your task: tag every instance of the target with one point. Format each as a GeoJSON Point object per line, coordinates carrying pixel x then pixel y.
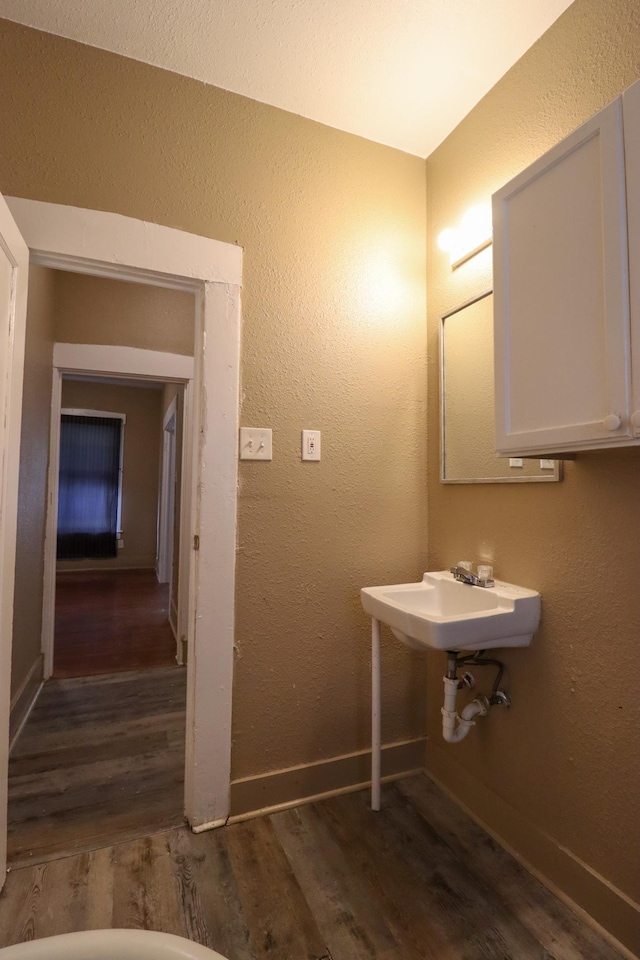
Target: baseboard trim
{"type": "Point", "coordinates": [24, 699]}
{"type": "Point", "coordinates": [173, 619]}
{"type": "Point", "coordinates": [209, 825]}
{"type": "Point", "coordinates": [105, 568]}
{"type": "Point", "coordinates": [605, 908]}
{"type": "Point", "coordinates": [282, 789]}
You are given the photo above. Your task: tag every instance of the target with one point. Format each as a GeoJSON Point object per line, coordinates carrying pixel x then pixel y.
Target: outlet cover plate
{"type": "Point", "coordinates": [310, 444]}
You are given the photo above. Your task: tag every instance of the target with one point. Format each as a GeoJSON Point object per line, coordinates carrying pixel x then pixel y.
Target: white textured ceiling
{"type": "Point", "coordinates": [401, 72]}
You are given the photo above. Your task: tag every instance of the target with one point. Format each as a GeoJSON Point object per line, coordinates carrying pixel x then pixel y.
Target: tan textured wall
{"type": "Point", "coordinates": [34, 461]}
{"type": "Point", "coordinates": [333, 229]}
{"type": "Point", "coordinates": [565, 758]}
{"type": "Point", "coordinates": [100, 310]}
{"type": "Point", "coordinates": [140, 469]}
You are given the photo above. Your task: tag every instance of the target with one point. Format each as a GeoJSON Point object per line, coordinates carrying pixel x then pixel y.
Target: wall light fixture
{"type": "Point", "coordinates": [472, 236]}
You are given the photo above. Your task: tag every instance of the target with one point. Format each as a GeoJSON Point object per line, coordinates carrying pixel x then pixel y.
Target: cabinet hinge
{"type": "Point", "coordinates": [196, 542]}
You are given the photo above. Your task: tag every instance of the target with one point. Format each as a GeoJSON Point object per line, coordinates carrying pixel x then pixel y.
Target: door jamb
{"type": "Point", "coordinates": [107, 244]}
{"type": "Point", "coordinates": [167, 474]}
{"type": "Point", "coordinates": [13, 246]}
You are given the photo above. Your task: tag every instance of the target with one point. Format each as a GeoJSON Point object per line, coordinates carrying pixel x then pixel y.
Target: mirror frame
{"type": "Point", "coordinates": [553, 475]}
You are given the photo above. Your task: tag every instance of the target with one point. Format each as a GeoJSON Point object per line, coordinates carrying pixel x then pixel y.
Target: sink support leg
{"type": "Point", "coordinates": [375, 714]}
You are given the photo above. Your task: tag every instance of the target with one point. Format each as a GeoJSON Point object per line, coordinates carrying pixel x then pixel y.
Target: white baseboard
{"type": "Point", "coordinates": [173, 619]}
{"type": "Point", "coordinates": [24, 699]}
{"type": "Point", "coordinates": [306, 783]}
{"type": "Point", "coordinates": [608, 910]}
{"type": "Point", "coordinates": [107, 567]}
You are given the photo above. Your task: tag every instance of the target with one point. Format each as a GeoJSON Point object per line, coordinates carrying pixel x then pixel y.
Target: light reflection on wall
{"type": "Point", "coordinates": [389, 283]}
{"type": "Point", "coordinates": [471, 236]}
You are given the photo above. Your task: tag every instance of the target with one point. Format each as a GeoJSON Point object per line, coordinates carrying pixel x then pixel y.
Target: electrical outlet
{"type": "Point", "coordinates": [516, 462]}
{"type": "Point", "coordinates": [310, 444]}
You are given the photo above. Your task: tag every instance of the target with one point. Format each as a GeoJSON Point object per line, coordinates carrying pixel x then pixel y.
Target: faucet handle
{"type": "Point", "coordinates": [467, 576]}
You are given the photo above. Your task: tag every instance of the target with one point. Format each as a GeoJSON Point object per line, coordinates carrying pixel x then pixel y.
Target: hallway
{"type": "Point", "coordinates": [100, 760]}
{"type": "Point", "coordinates": [111, 620]}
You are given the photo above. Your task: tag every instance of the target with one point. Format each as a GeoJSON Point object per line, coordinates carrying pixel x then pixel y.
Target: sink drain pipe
{"type": "Point", "coordinates": [455, 727]}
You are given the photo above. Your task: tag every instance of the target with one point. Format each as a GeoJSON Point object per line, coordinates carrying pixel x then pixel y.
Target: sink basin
{"type": "Point", "coordinates": [440, 613]}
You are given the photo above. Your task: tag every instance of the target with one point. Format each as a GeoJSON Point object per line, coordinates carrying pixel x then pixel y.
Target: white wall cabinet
{"type": "Point", "coordinates": [567, 296]}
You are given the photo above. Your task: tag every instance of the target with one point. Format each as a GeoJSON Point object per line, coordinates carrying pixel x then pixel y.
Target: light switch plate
{"type": "Point", "coordinates": [255, 443]}
{"type": "Point", "coordinates": [310, 444]}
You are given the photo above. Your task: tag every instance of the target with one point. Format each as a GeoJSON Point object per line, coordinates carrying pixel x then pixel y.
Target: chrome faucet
{"type": "Point", "coordinates": [466, 576]}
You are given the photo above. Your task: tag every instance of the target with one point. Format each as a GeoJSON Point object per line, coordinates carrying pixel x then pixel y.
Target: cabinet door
{"type": "Point", "coordinates": [631, 110]}
{"type": "Point", "coordinates": [562, 362]}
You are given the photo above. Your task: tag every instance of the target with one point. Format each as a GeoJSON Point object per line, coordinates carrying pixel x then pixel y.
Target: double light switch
{"type": "Point", "coordinates": [255, 443]}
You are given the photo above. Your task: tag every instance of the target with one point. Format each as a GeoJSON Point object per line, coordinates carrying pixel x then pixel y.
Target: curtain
{"type": "Point", "coordinates": [88, 487]}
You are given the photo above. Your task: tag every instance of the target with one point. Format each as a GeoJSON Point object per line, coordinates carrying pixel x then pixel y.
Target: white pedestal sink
{"type": "Point", "coordinates": [440, 613]}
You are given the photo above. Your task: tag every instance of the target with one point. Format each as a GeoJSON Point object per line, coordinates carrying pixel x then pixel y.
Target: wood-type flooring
{"type": "Point", "coordinates": [100, 759]}
{"type": "Point", "coordinates": [327, 881]}
{"type": "Point", "coordinates": [111, 620]}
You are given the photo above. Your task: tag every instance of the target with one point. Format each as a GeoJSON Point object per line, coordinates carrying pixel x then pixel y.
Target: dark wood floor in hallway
{"type": "Point", "coordinates": [111, 620]}
{"type": "Point", "coordinates": [327, 881]}
{"type": "Point", "coordinates": [100, 760]}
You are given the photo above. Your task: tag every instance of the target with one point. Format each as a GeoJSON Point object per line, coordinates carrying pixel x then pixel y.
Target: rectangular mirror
{"type": "Point", "coordinates": [467, 438]}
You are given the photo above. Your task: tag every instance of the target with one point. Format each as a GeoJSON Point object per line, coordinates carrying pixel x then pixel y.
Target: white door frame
{"type": "Point", "coordinates": [12, 337]}
{"type": "Point", "coordinates": [108, 361]}
{"type": "Point", "coordinates": [164, 563]}
{"type": "Point", "coordinates": [110, 245]}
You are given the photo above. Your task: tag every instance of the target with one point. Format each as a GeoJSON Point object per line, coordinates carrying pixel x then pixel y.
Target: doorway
{"type": "Point", "coordinates": [117, 603]}
{"type": "Point", "coordinates": [112, 714]}
{"type": "Point", "coordinates": [106, 244]}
